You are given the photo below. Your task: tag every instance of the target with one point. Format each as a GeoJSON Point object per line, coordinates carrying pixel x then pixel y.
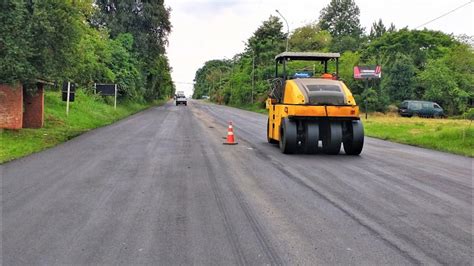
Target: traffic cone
{"type": "Point", "coordinates": [230, 135]}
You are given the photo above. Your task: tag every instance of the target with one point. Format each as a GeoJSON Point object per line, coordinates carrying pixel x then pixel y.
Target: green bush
{"type": "Point", "coordinates": [469, 114]}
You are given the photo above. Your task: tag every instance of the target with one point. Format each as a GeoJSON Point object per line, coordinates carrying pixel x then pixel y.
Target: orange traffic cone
{"type": "Point", "coordinates": [230, 136]}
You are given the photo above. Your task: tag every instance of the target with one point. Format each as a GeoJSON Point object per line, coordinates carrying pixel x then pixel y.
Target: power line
{"type": "Point", "coordinates": [447, 13]}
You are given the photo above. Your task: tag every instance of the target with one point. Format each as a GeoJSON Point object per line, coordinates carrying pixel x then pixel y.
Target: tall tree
{"type": "Point", "coordinates": [420, 45]}
{"type": "Point", "coordinates": [148, 22]}
{"type": "Point", "coordinates": [392, 28]}
{"type": "Point", "coordinates": [377, 30]}
{"type": "Point", "coordinates": [449, 80]}
{"type": "Point", "coordinates": [243, 79]}
{"type": "Point", "coordinates": [15, 39]}
{"type": "Point", "coordinates": [309, 38]}
{"type": "Point", "coordinates": [38, 39]}
{"type": "Point", "coordinates": [267, 40]}
{"type": "Point", "coordinates": [441, 87]}
{"type": "Point", "coordinates": [341, 18]}
{"type": "Point", "coordinates": [398, 82]}
{"type": "Point", "coordinates": [56, 30]}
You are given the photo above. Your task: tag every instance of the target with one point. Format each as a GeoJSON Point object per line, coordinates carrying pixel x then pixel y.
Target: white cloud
{"type": "Point", "coordinates": [212, 29]}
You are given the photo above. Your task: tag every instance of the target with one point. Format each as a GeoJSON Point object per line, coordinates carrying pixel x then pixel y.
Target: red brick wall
{"type": "Point", "coordinates": [11, 106]}
{"type": "Point", "coordinates": [33, 117]}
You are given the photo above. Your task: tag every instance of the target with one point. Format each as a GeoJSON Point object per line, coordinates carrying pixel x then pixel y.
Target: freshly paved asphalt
{"type": "Point", "coordinates": [160, 188]}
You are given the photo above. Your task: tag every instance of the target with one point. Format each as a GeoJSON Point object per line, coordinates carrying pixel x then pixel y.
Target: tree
{"type": "Point", "coordinates": [441, 87]}
{"type": "Point", "coordinates": [267, 41]}
{"type": "Point", "coordinates": [55, 32]}
{"type": "Point", "coordinates": [346, 71]}
{"type": "Point", "coordinates": [465, 39]}
{"type": "Point", "coordinates": [378, 29]}
{"type": "Point", "coordinates": [392, 28]}
{"type": "Point", "coordinates": [271, 29]}
{"type": "Point", "coordinates": [125, 67]}
{"type": "Point", "coordinates": [93, 58]}
{"type": "Point", "coordinates": [341, 18]}
{"type": "Point", "coordinates": [232, 81]}
{"type": "Point", "coordinates": [398, 81]}
{"type": "Point", "coordinates": [450, 80]}
{"type": "Point", "coordinates": [69, 39]}
{"type": "Point", "coordinates": [148, 22]}
{"type": "Point", "coordinates": [309, 38]}
{"type": "Point", "coordinates": [420, 45]}
{"type": "Point", "coordinates": [39, 39]}
{"type": "Point", "coordinates": [369, 100]}
{"type": "Point", "coordinates": [208, 78]}
{"type": "Point", "coordinates": [460, 61]}
{"type": "Point", "coordinates": [15, 49]}
{"type": "Point", "coordinates": [345, 43]}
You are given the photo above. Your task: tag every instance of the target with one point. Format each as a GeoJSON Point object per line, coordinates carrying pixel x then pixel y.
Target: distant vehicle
{"type": "Point", "coordinates": [420, 108]}
{"type": "Point", "coordinates": [181, 99]}
{"type": "Point", "coordinates": [205, 97]}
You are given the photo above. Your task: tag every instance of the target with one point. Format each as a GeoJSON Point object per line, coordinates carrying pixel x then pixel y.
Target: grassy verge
{"type": "Point", "coordinates": [86, 113]}
{"type": "Point", "coordinates": [448, 135]}
{"type": "Point", "coordinates": [256, 107]}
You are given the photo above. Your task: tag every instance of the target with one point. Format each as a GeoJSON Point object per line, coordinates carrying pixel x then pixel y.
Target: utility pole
{"type": "Point", "coordinates": [287, 28]}
{"type": "Point", "coordinates": [253, 72]}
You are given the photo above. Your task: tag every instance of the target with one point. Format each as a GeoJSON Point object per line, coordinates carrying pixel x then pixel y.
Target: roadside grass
{"type": "Point", "coordinates": [256, 107]}
{"type": "Point", "coordinates": [86, 113]}
{"type": "Point", "coordinates": [448, 135]}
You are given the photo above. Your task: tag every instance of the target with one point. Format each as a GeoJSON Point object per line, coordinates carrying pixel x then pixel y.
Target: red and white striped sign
{"type": "Point", "coordinates": [367, 72]}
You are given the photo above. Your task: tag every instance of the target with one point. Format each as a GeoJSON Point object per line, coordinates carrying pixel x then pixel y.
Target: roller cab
{"type": "Point", "coordinates": [313, 113]}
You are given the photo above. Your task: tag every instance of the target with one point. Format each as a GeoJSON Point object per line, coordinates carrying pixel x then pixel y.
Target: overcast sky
{"type": "Point", "coordinates": [215, 29]}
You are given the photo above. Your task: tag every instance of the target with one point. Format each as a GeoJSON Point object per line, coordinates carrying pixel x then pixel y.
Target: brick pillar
{"type": "Point", "coordinates": [33, 117]}
{"type": "Point", "coordinates": [11, 106]}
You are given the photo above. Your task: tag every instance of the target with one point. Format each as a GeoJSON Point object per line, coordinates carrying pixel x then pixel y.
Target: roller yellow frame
{"type": "Point", "coordinates": [304, 111]}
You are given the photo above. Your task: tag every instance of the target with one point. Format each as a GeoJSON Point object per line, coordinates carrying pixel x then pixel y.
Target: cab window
{"type": "Point", "coordinates": [436, 106]}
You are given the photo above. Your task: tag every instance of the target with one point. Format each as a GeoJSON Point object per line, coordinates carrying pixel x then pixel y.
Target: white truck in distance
{"type": "Point", "coordinates": [180, 98]}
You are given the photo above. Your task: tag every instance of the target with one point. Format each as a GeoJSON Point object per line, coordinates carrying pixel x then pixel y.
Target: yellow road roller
{"type": "Point", "coordinates": [312, 113]}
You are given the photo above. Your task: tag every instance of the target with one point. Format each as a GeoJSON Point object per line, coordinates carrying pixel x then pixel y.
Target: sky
{"type": "Point", "coordinates": [218, 29]}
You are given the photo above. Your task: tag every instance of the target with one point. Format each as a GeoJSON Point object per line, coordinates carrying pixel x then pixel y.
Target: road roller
{"type": "Point", "coordinates": [312, 113]}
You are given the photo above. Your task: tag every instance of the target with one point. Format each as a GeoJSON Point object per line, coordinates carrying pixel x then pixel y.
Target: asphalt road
{"type": "Point", "coordinates": [160, 188]}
